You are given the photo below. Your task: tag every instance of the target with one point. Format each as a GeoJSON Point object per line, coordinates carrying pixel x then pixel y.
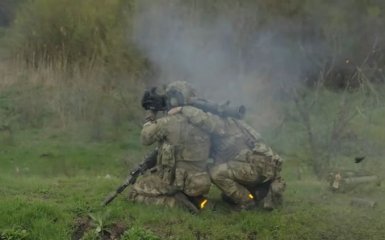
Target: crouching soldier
{"type": "Point", "coordinates": [245, 169]}
{"type": "Point", "coordinates": [180, 176]}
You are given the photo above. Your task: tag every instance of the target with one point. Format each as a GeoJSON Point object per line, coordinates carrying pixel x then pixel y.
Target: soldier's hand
{"type": "Point", "coordinates": [150, 116]}
{"type": "Point", "coordinates": [174, 110]}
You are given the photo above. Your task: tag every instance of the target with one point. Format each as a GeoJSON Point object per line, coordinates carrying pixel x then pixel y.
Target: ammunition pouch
{"type": "Point", "coordinates": [166, 160]}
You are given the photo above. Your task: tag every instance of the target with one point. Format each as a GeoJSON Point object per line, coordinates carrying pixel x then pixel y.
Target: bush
{"type": "Point", "coordinates": [74, 63]}
{"type": "Point", "coordinates": [71, 31]}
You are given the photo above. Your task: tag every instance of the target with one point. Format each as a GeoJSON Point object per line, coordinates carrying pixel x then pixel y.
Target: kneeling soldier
{"type": "Point", "coordinates": [181, 162]}
{"type": "Point", "coordinates": [245, 169]}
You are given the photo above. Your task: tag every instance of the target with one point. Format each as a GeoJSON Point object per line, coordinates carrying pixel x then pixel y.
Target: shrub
{"type": "Point", "coordinates": [71, 31]}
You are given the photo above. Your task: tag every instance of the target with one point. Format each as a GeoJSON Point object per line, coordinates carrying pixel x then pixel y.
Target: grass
{"type": "Point", "coordinates": [62, 180]}
{"type": "Point", "coordinates": [54, 177]}
{"type": "Point", "coordinates": [48, 209]}
{"type": "Point", "coordinates": [51, 153]}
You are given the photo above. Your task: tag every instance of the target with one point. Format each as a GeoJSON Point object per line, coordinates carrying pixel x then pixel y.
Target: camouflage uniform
{"type": "Point", "coordinates": [242, 160]}
{"type": "Point", "coordinates": [181, 162]}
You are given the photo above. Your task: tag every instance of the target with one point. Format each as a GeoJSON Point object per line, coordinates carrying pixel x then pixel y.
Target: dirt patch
{"type": "Point", "coordinates": [201, 235]}
{"type": "Point", "coordinates": [252, 235]}
{"type": "Point", "coordinates": [82, 225]}
{"type": "Point", "coordinates": [114, 231]}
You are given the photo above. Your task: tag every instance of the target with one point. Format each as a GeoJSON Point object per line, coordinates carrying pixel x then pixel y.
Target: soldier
{"type": "Point", "coordinates": [181, 162]}
{"type": "Point", "coordinates": [245, 169]}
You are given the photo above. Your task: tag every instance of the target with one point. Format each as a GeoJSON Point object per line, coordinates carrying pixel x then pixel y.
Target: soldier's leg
{"type": "Point", "coordinates": [194, 184]}
{"type": "Point", "coordinates": [274, 195]}
{"type": "Point", "coordinates": [152, 200]}
{"type": "Point", "coordinates": [231, 178]}
{"type": "Point", "coordinates": [151, 189]}
{"type": "Point", "coordinates": [269, 170]}
{"type": "Point", "coordinates": [278, 187]}
{"type": "Point", "coordinates": [260, 190]}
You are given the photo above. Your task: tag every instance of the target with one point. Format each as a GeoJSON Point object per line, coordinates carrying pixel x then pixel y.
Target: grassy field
{"type": "Point", "coordinates": [71, 78]}
{"type": "Point", "coordinates": [52, 184]}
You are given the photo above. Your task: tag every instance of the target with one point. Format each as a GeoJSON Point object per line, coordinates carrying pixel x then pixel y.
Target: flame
{"type": "Point", "coordinates": [203, 203]}
{"type": "Point", "coordinates": [251, 196]}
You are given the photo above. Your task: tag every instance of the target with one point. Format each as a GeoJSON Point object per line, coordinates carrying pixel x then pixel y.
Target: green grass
{"type": "Point", "coordinates": [47, 208]}
{"type": "Point", "coordinates": [52, 152]}
{"type": "Point", "coordinates": [52, 180]}
{"type": "Point", "coordinates": [69, 182]}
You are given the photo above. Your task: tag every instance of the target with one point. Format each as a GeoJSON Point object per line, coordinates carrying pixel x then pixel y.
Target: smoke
{"type": "Point", "coordinates": [239, 51]}
{"type": "Point", "coordinates": [224, 54]}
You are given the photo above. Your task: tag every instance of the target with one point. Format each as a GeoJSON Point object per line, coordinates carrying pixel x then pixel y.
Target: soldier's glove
{"type": "Point", "coordinates": [150, 116]}
{"type": "Point", "coordinates": [174, 110]}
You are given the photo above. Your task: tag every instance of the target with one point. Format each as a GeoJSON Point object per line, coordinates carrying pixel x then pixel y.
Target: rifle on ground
{"type": "Point", "coordinates": [149, 162]}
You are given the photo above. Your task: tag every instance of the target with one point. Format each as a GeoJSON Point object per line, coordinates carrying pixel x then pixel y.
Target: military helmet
{"type": "Point", "coordinates": [179, 93]}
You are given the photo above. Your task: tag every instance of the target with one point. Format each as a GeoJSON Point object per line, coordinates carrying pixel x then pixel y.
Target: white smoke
{"type": "Point", "coordinates": [220, 54]}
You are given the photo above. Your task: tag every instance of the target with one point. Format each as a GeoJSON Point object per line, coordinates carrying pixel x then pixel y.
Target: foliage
{"type": "Point", "coordinates": [138, 233]}
{"type": "Point", "coordinates": [325, 123]}
{"type": "Point", "coordinates": [91, 99]}
{"type": "Point", "coordinates": [68, 32]}
{"type": "Point", "coordinates": [99, 221]}
{"type": "Point", "coordinates": [13, 234]}
{"type": "Point", "coordinates": [91, 235]}
{"type": "Point", "coordinates": [319, 35]}
{"type": "Point", "coordinates": [7, 11]}
{"type": "Point", "coordinates": [304, 37]}
{"type": "Point", "coordinates": [75, 56]}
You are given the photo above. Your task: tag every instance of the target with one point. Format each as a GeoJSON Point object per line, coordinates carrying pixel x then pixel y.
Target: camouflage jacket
{"type": "Point", "coordinates": [179, 141]}
{"type": "Point", "coordinates": [228, 136]}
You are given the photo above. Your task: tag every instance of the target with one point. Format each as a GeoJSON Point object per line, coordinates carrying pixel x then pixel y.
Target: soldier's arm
{"type": "Point", "coordinates": [206, 121]}
{"type": "Point", "coordinates": [152, 132]}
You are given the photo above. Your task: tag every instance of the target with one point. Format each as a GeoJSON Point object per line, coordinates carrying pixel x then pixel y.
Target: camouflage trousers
{"type": "Point", "coordinates": [239, 178]}
{"type": "Point", "coordinates": [155, 189]}
{"type": "Point", "coordinates": [152, 189]}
